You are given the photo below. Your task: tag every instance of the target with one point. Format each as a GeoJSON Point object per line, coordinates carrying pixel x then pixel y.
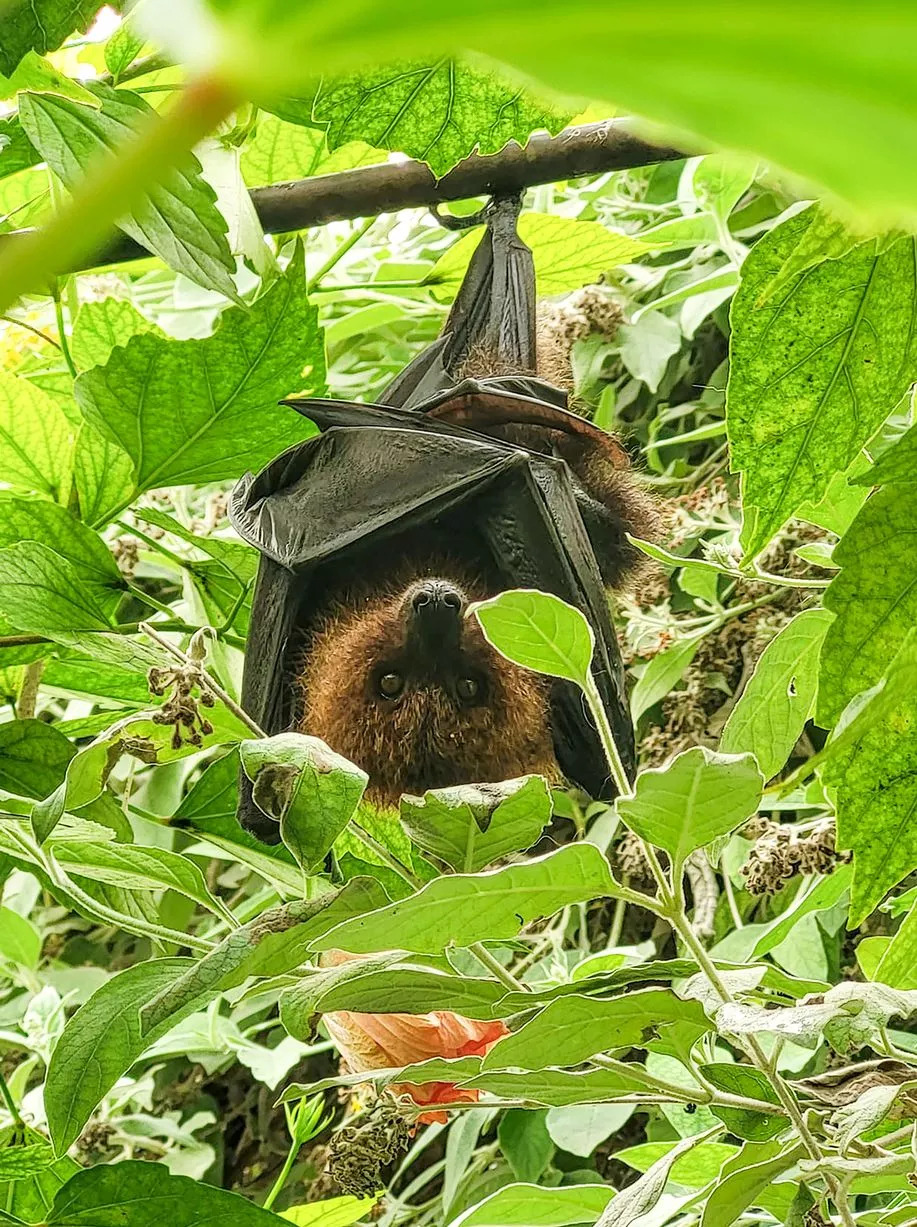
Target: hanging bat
{"type": "Point", "coordinates": [377, 532]}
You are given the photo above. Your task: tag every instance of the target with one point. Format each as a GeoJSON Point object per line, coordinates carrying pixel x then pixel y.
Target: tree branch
{"type": "Point", "coordinates": [369, 190]}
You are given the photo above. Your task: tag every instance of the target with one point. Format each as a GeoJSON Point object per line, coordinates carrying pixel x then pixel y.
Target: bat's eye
{"type": "Point", "coordinates": [467, 688]}
{"type": "Point", "coordinates": [391, 685]}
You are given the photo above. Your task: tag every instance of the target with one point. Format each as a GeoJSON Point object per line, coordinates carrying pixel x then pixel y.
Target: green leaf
{"type": "Point", "coordinates": [772, 711]}
{"type": "Point", "coordinates": [522, 1205]}
{"type": "Point", "coordinates": [579, 1128]}
{"type": "Point", "coordinates": [572, 1029]}
{"type": "Point", "coordinates": [281, 151]}
{"type": "Point", "coordinates": [16, 150]}
{"type": "Point", "coordinates": [637, 1199]}
{"type": "Point", "coordinates": [100, 1043]}
{"type": "Point", "coordinates": [122, 48]}
{"type": "Point", "coordinates": [44, 593]}
{"type": "Point", "coordinates": [330, 1212]}
{"type": "Point", "coordinates": [824, 894]}
{"type": "Point", "coordinates": [647, 345]}
{"type": "Point", "coordinates": [136, 868]}
{"type": "Point", "coordinates": [178, 221]}
{"type": "Point", "coordinates": [435, 1069]}
{"type": "Point", "coordinates": [663, 672]}
{"type": "Point", "coordinates": [375, 986]}
{"type": "Point", "coordinates": [873, 597]}
{"type": "Point", "coordinates": [567, 253]}
{"type": "Point", "coordinates": [51, 525]}
{"type": "Point", "coordinates": [464, 908]}
{"type": "Point", "coordinates": [439, 111]}
{"type": "Point", "coordinates": [40, 25]}
{"type": "Point", "coordinates": [100, 326]}
{"type": "Point", "coordinates": [30, 1196]}
{"type": "Point", "coordinates": [825, 238]}
{"type": "Point", "coordinates": [898, 964]}
{"type": "Point", "coordinates": [20, 942]}
{"type": "Point", "coordinates": [525, 1142]}
{"type": "Point", "coordinates": [751, 1084]}
{"type": "Point", "coordinates": [870, 764]}
{"type": "Point", "coordinates": [538, 631]}
{"type": "Point", "coordinates": [699, 796]}
{"type": "Point", "coordinates": [21, 1162]}
{"type": "Point", "coordinates": [745, 1177]}
{"type": "Point", "coordinates": [103, 477]}
{"type": "Point", "coordinates": [719, 183]}
{"type": "Point", "coordinates": [311, 791]}
{"type": "Point", "coordinates": [815, 371]}
{"type": "Point", "coordinates": [474, 825]}
{"type": "Point", "coordinates": [695, 1169]}
{"type": "Point", "coordinates": [273, 944]}
{"type": "Point", "coordinates": [562, 1087]}
{"type": "Point", "coordinates": [33, 757]}
{"type": "Point", "coordinates": [146, 1195]}
{"type": "Point", "coordinates": [36, 439]}
{"type": "Point", "coordinates": [897, 466]}
{"type": "Point", "coordinates": [206, 410]}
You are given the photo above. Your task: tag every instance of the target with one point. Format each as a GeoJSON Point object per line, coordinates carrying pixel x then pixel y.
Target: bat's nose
{"type": "Point", "coordinates": [437, 599]}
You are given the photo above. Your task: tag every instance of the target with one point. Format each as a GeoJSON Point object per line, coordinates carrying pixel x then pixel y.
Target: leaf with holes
{"type": "Point", "coordinates": [439, 111]}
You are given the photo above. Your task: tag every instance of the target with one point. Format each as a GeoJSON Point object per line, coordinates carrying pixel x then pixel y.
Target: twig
{"type": "Point", "coordinates": [28, 692]}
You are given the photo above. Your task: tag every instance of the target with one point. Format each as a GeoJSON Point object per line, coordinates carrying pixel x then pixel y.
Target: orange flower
{"type": "Point", "coordinates": [368, 1042]}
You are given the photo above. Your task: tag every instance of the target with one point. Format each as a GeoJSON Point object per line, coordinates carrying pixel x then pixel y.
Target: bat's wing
{"type": "Point", "coordinates": [362, 482]}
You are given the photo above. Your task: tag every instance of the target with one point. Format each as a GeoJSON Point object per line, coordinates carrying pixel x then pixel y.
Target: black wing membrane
{"type": "Point", "coordinates": [423, 458]}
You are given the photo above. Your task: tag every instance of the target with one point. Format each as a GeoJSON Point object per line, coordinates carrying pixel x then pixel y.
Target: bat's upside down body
{"type": "Point", "coordinates": [395, 677]}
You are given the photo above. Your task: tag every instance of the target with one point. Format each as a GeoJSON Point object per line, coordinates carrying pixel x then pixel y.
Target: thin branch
{"type": "Point", "coordinates": [367, 191]}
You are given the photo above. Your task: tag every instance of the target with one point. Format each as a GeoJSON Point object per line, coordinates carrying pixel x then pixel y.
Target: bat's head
{"type": "Point", "coordinates": [406, 686]}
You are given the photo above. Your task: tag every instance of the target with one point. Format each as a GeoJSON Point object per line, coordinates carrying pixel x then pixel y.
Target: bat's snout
{"type": "Point", "coordinates": [434, 608]}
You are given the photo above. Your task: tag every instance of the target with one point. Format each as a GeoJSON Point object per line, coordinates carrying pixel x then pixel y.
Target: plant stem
{"type": "Point", "coordinates": [10, 319]}
{"type": "Point", "coordinates": [28, 692]}
{"type": "Point", "coordinates": [113, 185]}
{"type": "Point", "coordinates": [6, 1096]}
{"type": "Point", "coordinates": [281, 1180]}
{"type": "Point", "coordinates": [133, 531]}
{"type": "Point", "coordinates": [496, 968]}
{"type": "Point", "coordinates": [62, 333]}
{"type": "Point", "coordinates": [338, 254]}
{"type": "Point", "coordinates": [385, 856]}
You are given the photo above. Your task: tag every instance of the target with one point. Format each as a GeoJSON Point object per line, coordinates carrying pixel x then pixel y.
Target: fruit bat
{"type": "Point", "coordinates": [376, 531]}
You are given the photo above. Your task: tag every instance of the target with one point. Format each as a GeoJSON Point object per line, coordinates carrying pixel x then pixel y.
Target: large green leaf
{"type": "Point", "coordinates": [567, 253]}
{"type": "Point", "coordinates": [874, 779]}
{"type": "Point", "coordinates": [697, 797]}
{"type": "Point", "coordinates": [33, 757]}
{"type": "Point", "coordinates": [874, 598]}
{"type": "Point", "coordinates": [100, 326]}
{"type": "Point", "coordinates": [558, 1088]}
{"type": "Point", "coordinates": [36, 439]}
{"type": "Point", "coordinates": [474, 825]}
{"type": "Point", "coordinates": [274, 943]}
{"type": "Point", "coordinates": [539, 631]}
{"type": "Point", "coordinates": [775, 705]}
{"type": "Point", "coordinates": [38, 520]}
{"type": "Point", "coordinates": [280, 150]}
{"type": "Point", "coordinates": [40, 25]}
{"type": "Point", "coordinates": [375, 986]}
{"type": "Point", "coordinates": [103, 477]}
{"type": "Point", "coordinates": [572, 1029]}
{"type": "Point", "coordinates": [745, 1178]}
{"type": "Point", "coordinates": [814, 370]}
{"type": "Point", "coordinates": [178, 221]}
{"type": "Point", "coordinates": [100, 1043]}
{"type": "Point", "coordinates": [466, 908]}
{"type": "Point", "coordinates": [206, 410]}
{"type": "Point", "coordinates": [20, 942]}
{"type": "Point", "coordinates": [897, 466]}
{"type": "Point", "coordinates": [439, 110]}
{"type": "Point", "coordinates": [147, 1195]}
{"type": "Point", "coordinates": [312, 792]}
{"type": "Point", "coordinates": [522, 1205]}
{"type": "Point", "coordinates": [43, 592]}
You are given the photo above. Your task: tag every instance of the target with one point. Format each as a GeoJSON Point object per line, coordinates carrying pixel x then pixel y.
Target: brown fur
{"type": "Point", "coordinates": [425, 739]}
